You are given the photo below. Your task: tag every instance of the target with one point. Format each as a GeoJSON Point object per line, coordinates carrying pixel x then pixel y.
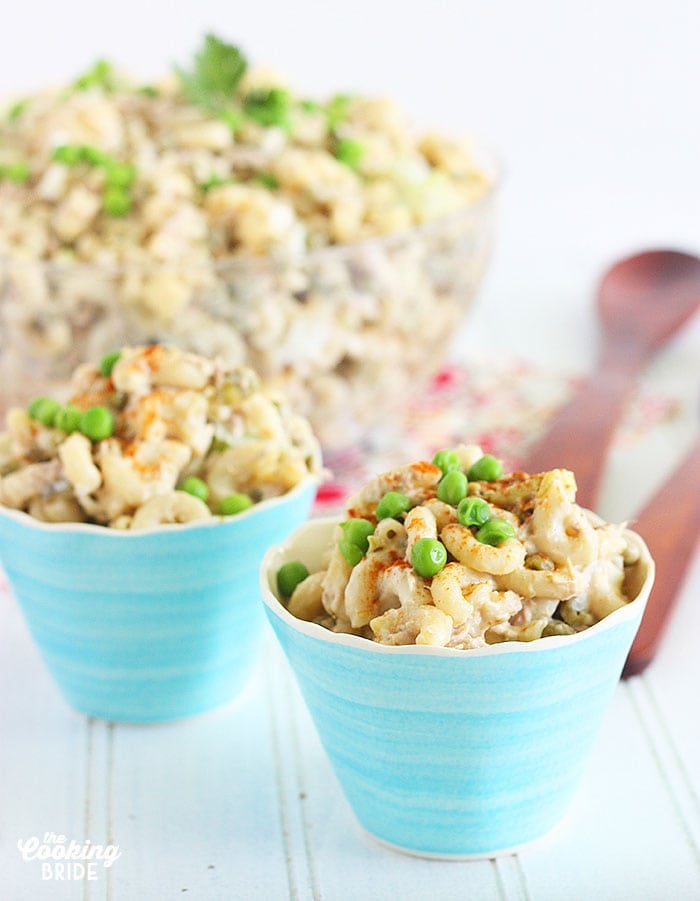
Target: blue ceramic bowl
{"type": "Point", "coordinates": [452, 753]}
{"type": "Point", "coordinates": [147, 626]}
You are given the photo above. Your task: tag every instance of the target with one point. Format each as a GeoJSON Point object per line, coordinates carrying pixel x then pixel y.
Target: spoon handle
{"type": "Point", "coordinates": [670, 525]}
{"type": "Point", "coordinates": [580, 435]}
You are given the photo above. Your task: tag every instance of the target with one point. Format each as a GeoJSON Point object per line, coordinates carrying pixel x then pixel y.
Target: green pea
{"type": "Point", "coordinates": [357, 532]}
{"type": "Point", "coordinates": [116, 202]}
{"type": "Point", "coordinates": [93, 156]}
{"type": "Point", "coordinates": [486, 469]}
{"type": "Point", "coordinates": [196, 487]}
{"type": "Point", "coordinates": [233, 118]}
{"type": "Point", "coordinates": [108, 362]}
{"type": "Point", "coordinates": [349, 152]}
{"type": "Point", "coordinates": [68, 419]}
{"type": "Point", "coordinates": [452, 487]}
{"type": "Point", "coordinates": [495, 532]}
{"type": "Point", "coordinates": [310, 106]}
{"type": "Point", "coordinates": [289, 576]}
{"type": "Point", "coordinates": [447, 460]}
{"type": "Point", "coordinates": [235, 503]}
{"type": "Point", "coordinates": [119, 175]}
{"type": "Point", "coordinates": [68, 154]}
{"type": "Point", "coordinates": [350, 551]}
{"type": "Point", "coordinates": [18, 172]}
{"type": "Point", "coordinates": [337, 109]}
{"type": "Point", "coordinates": [267, 180]}
{"type": "Point", "coordinates": [44, 410]}
{"type": "Point", "coordinates": [473, 511]}
{"type": "Point", "coordinates": [428, 556]}
{"type": "Point", "coordinates": [214, 181]}
{"type": "Point", "coordinates": [97, 423]}
{"type": "Point", "coordinates": [392, 505]}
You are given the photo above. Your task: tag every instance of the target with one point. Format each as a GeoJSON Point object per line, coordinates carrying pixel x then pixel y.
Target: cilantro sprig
{"type": "Point", "coordinates": [217, 71]}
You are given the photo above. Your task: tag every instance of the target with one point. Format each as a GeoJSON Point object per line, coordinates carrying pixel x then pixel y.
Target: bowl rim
{"type": "Point", "coordinates": [630, 611]}
{"type": "Point", "coordinates": [491, 165]}
{"type": "Point", "coordinates": [88, 528]}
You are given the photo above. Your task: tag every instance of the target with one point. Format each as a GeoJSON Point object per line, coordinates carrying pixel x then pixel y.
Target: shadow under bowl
{"type": "Point", "coordinates": [147, 626]}
{"type": "Point", "coordinates": [450, 753]}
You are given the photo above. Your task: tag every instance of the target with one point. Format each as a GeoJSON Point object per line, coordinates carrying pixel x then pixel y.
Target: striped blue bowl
{"type": "Point", "coordinates": [147, 626]}
{"type": "Point", "coordinates": [451, 753]}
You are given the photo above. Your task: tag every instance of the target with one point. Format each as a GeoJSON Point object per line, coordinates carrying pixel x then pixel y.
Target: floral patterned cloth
{"type": "Point", "coordinates": [504, 410]}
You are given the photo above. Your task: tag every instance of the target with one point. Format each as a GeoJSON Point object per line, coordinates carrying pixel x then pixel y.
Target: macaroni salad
{"type": "Point", "coordinates": [454, 553]}
{"type": "Point", "coordinates": [153, 435]}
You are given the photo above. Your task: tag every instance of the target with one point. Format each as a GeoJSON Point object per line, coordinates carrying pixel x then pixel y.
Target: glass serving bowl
{"type": "Point", "coordinates": [346, 332]}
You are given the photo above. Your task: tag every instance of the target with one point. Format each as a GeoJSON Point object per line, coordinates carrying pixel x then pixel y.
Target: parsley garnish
{"type": "Point", "coordinates": [100, 76]}
{"type": "Point", "coordinates": [16, 111]}
{"type": "Point", "coordinates": [218, 68]}
{"type": "Point", "coordinates": [268, 106]}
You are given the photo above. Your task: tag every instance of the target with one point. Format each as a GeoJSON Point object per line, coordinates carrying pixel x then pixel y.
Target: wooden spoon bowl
{"type": "Point", "coordinates": [642, 301]}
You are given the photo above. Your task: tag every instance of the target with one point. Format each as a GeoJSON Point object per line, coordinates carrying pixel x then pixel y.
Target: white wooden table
{"type": "Point", "coordinates": [242, 803]}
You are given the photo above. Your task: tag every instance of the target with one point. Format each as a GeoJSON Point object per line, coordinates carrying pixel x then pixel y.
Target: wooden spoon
{"type": "Point", "coordinates": [642, 301]}
{"type": "Point", "coordinates": [670, 525]}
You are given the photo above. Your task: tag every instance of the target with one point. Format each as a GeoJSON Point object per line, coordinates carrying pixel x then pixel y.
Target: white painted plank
{"type": "Point", "coordinates": [43, 758]}
{"type": "Point", "coordinates": [303, 879]}
{"type": "Point", "coordinates": [670, 768]}
{"type": "Point", "coordinates": [623, 837]}
{"type": "Point", "coordinates": [194, 807]}
{"type": "Point", "coordinates": [97, 804]}
{"type": "Point", "coordinates": [671, 686]}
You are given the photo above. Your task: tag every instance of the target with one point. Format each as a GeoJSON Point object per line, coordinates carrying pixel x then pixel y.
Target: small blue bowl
{"type": "Point", "coordinates": [449, 753]}
{"type": "Point", "coordinates": [147, 626]}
